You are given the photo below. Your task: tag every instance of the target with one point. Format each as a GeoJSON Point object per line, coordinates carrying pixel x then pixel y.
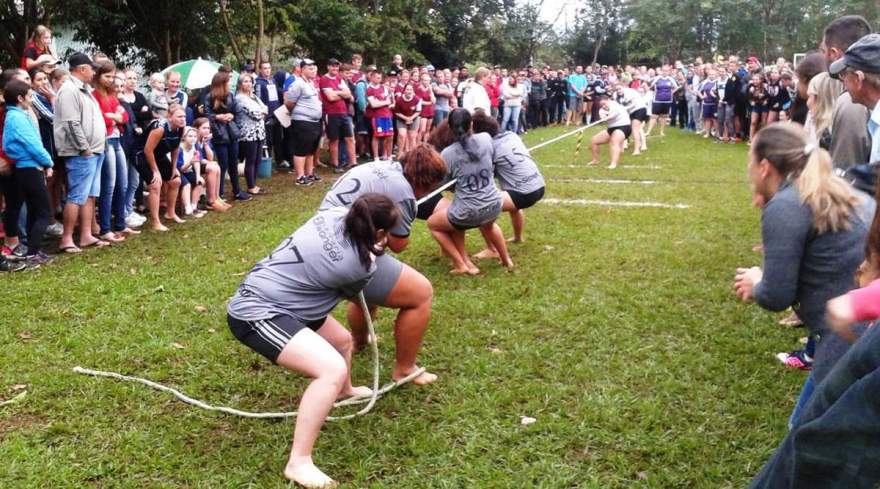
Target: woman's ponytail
{"type": "Point", "coordinates": [460, 123]}
{"type": "Point", "coordinates": [368, 214]}
{"type": "Point", "coordinates": [829, 197]}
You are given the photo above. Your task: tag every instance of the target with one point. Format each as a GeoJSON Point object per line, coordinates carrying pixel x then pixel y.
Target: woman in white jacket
{"type": "Point", "coordinates": [512, 93]}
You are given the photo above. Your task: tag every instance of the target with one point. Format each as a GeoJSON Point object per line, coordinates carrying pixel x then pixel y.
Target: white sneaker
{"type": "Point", "coordinates": [132, 221]}
{"type": "Point", "coordinates": [55, 230]}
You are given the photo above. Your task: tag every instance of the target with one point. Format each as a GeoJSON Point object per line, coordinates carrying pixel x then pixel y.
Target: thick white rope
{"type": "Point", "coordinates": [370, 400]}
{"type": "Point", "coordinates": [14, 400]}
{"type": "Point", "coordinates": [557, 138]}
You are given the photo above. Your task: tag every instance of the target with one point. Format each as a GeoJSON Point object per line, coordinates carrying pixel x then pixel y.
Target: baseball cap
{"type": "Point", "coordinates": [305, 62]}
{"type": "Point", "coordinates": [752, 59]}
{"type": "Point", "coordinates": [863, 55]}
{"type": "Point", "coordinates": [391, 73]}
{"type": "Point", "coordinates": [79, 59]}
{"type": "Point", "coordinates": [333, 61]}
{"type": "Point", "coordinates": [429, 68]}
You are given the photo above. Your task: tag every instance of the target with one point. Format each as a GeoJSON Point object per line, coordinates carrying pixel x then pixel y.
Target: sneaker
{"type": "Point", "coordinates": [315, 177]}
{"type": "Point", "coordinates": [244, 196]}
{"type": "Point", "coordinates": [792, 320]}
{"type": "Point", "coordinates": [19, 253]}
{"type": "Point", "coordinates": [11, 266]}
{"type": "Point", "coordinates": [132, 221]}
{"type": "Point", "coordinates": [303, 180]}
{"type": "Point", "coordinates": [39, 258]}
{"type": "Point", "coordinates": [55, 230]}
{"type": "Point", "coordinates": [339, 169]}
{"type": "Point", "coordinates": [284, 164]}
{"type": "Point", "coordinates": [797, 359]}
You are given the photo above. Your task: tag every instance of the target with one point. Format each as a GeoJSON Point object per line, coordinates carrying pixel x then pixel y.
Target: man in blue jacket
{"type": "Point", "coordinates": [270, 93]}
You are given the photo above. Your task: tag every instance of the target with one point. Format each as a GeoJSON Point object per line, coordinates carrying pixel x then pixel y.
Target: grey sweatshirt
{"type": "Point", "coordinates": [804, 269]}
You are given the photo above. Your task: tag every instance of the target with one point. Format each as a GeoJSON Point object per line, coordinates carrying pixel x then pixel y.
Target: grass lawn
{"type": "Point", "coordinates": [618, 332]}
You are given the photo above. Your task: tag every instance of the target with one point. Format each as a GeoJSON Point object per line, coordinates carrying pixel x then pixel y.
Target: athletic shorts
{"type": "Point", "coordinates": [640, 115]}
{"type": "Point", "coordinates": [268, 336]}
{"type": "Point", "coordinates": [463, 218]}
{"type": "Point", "coordinates": [382, 127]}
{"type": "Point", "coordinates": [163, 164]}
{"type": "Point", "coordinates": [412, 126]}
{"type": "Point", "coordinates": [188, 178]}
{"type": "Point", "coordinates": [427, 208]}
{"type": "Point", "coordinates": [307, 136]}
{"type": "Point", "coordinates": [660, 108]}
{"type": "Point", "coordinates": [626, 130]}
{"type": "Point", "coordinates": [338, 126]}
{"type": "Point", "coordinates": [710, 111]}
{"type": "Point", "coordinates": [388, 270]}
{"type": "Point", "coordinates": [362, 124]}
{"type": "Point", "coordinates": [428, 112]}
{"type": "Point", "coordinates": [524, 201]}
{"type": "Point", "coordinates": [760, 109]}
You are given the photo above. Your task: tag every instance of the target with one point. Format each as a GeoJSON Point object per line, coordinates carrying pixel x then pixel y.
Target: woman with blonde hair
{"type": "Point", "coordinates": [821, 94]}
{"type": "Point", "coordinates": [813, 229]}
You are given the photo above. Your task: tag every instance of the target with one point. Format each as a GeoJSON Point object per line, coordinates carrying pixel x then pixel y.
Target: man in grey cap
{"type": "Point", "coordinates": [79, 139]}
{"type": "Point", "coordinates": [859, 68]}
{"type": "Point", "coordinates": [850, 143]}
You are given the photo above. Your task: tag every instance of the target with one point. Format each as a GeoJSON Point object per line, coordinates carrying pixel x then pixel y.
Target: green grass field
{"type": "Point", "coordinates": [618, 332]}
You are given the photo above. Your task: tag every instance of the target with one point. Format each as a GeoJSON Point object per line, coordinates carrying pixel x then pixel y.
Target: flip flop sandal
{"type": "Point", "coordinates": [98, 243]}
{"type": "Point", "coordinates": [70, 249]}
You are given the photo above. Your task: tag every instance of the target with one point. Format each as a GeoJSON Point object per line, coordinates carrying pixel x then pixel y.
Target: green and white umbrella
{"type": "Point", "coordinates": [197, 73]}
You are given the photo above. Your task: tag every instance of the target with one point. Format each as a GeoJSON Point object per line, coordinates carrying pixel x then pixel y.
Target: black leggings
{"type": "Point", "coordinates": [227, 158]}
{"type": "Point", "coordinates": [250, 150]}
{"type": "Point", "coordinates": [32, 184]}
{"type": "Point", "coordinates": [12, 196]}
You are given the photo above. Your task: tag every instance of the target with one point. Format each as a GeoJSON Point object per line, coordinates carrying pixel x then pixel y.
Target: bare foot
{"type": "Point", "coordinates": [159, 227]}
{"type": "Point", "coordinates": [611, 167]}
{"type": "Point", "coordinates": [473, 271]}
{"type": "Point", "coordinates": [637, 153]}
{"type": "Point", "coordinates": [359, 391]}
{"type": "Point", "coordinates": [593, 163]}
{"type": "Point", "coordinates": [516, 240]}
{"type": "Point", "coordinates": [424, 378]}
{"type": "Point", "coordinates": [644, 148]}
{"type": "Point", "coordinates": [174, 218]}
{"type": "Point", "coordinates": [486, 254]}
{"type": "Point", "coordinates": [309, 476]}
{"type": "Point", "coordinates": [509, 265]}
{"type": "Point", "coordinates": [459, 271]}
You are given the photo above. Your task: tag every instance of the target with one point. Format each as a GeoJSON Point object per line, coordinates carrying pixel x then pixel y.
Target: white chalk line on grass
{"type": "Point", "coordinates": [628, 167]}
{"type": "Point", "coordinates": [614, 203]}
{"type": "Point", "coordinates": [602, 180]}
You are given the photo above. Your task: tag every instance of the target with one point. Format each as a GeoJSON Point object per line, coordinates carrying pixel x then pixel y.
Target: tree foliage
{"type": "Point", "coordinates": [156, 33]}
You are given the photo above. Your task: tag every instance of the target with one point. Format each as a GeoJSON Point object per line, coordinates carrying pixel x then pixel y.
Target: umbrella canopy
{"type": "Point", "coordinates": [197, 73]}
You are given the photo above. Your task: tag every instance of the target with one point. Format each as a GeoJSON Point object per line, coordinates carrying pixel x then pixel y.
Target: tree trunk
{"type": "Point", "coordinates": [258, 57]}
{"type": "Point", "coordinates": [166, 45]}
{"type": "Point", "coordinates": [225, 15]}
{"type": "Point", "coordinates": [271, 48]}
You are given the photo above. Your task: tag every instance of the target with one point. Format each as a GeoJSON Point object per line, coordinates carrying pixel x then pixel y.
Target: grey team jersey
{"type": "Point", "coordinates": [477, 200]}
{"type": "Point", "coordinates": [384, 177]}
{"type": "Point", "coordinates": [305, 276]}
{"type": "Point", "coordinates": [514, 166]}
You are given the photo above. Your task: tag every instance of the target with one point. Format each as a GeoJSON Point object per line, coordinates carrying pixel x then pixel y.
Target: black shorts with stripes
{"type": "Point", "coordinates": [269, 336]}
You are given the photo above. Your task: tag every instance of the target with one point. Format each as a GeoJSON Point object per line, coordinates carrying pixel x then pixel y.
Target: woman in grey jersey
{"type": "Point", "coordinates": [282, 311]}
{"type": "Point", "coordinates": [395, 284]}
{"type": "Point", "coordinates": [477, 201]}
{"type": "Point", "coordinates": [519, 178]}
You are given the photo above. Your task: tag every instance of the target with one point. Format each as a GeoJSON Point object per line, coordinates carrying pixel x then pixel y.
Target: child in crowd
{"type": "Point", "coordinates": [758, 101]}
{"type": "Point", "coordinates": [380, 99]}
{"type": "Point", "coordinates": [209, 166]}
{"type": "Point", "coordinates": [192, 185]}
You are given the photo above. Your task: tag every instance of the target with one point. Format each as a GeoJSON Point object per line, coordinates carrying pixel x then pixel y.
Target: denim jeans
{"type": "Point", "coordinates": [440, 116]}
{"type": "Point", "coordinates": [83, 177]}
{"type": "Point", "coordinates": [695, 114]}
{"type": "Point", "coordinates": [131, 188]}
{"type": "Point", "coordinates": [227, 158]}
{"type": "Point", "coordinates": [836, 439]}
{"type": "Point", "coordinates": [114, 179]}
{"type": "Point", "coordinates": [511, 118]}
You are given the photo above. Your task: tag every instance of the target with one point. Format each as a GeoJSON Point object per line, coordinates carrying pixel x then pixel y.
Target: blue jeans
{"type": "Point", "coordinates": [440, 116]}
{"type": "Point", "coordinates": [836, 440]}
{"type": "Point", "coordinates": [803, 398]}
{"type": "Point", "coordinates": [134, 181]}
{"type": "Point", "coordinates": [114, 179]}
{"type": "Point", "coordinates": [510, 121]}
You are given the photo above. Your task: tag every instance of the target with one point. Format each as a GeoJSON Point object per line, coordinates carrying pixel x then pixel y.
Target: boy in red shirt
{"type": "Point", "coordinates": [380, 99]}
{"type": "Point", "coordinates": [334, 94]}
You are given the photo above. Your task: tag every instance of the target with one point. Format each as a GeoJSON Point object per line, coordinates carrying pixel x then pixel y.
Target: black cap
{"type": "Point", "coordinates": [305, 62]}
{"type": "Point", "coordinates": [863, 55]}
{"type": "Point", "coordinates": [391, 73]}
{"type": "Point", "coordinates": [79, 59]}
{"type": "Point", "coordinates": [333, 61]}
